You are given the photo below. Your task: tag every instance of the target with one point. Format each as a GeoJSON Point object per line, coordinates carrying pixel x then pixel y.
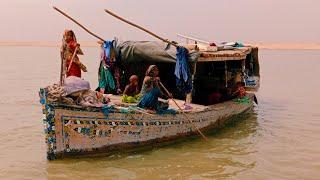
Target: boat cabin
{"type": "Point", "coordinates": [214, 72]}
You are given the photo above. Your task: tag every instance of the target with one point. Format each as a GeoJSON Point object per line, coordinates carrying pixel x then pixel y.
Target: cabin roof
{"type": "Point", "coordinates": [225, 55]}
{"type": "Point", "coordinates": [156, 51]}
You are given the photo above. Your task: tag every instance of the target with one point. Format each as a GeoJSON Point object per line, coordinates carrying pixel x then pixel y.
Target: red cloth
{"type": "Point", "coordinates": [242, 92]}
{"type": "Point", "coordinates": [75, 69]}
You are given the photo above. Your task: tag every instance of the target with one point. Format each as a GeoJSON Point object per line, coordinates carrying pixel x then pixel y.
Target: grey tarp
{"type": "Point", "coordinates": [148, 51]}
{"type": "Point", "coordinates": [74, 84]}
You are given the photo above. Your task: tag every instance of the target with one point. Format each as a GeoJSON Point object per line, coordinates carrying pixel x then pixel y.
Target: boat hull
{"type": "Point", "coordinates": [72, 131]}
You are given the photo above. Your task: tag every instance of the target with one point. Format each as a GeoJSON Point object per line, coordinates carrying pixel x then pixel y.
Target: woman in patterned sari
{"type": "Point", "coordinates": [69, 46]}
{"type": "Point", "coordinates": [150, 91]}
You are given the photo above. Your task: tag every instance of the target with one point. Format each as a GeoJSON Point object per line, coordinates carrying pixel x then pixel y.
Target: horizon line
{"type": "Point", "coordinates": [266, 45]}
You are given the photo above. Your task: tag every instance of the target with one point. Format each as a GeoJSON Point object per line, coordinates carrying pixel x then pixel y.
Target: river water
{"type": "Point", "coordinates": [278, 140]}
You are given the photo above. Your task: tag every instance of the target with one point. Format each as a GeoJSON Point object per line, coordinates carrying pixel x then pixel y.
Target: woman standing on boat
{"type": "Point", "coordinates": [70, 50]}
{"type": "Point", "coordinates": [109, 72]}
{"type": "Point", "coordinates": [150, 91]}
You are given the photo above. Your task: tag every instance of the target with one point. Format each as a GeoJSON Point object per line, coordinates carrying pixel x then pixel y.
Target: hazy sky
{"type": "Point", "coordinates": [229, 20]}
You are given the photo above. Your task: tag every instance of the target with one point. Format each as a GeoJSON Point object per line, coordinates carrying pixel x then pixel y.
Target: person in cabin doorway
{"type": "Point", "coordinates": [131, 92]}
{"type": "Point", "coordinates": [240, 91]}
{"type": "Point", "coordinates": [70, 50]}
{"type": "Point", "coordinates": [150, 91]}
{"type": "Point", "coordinates": [215, 96]}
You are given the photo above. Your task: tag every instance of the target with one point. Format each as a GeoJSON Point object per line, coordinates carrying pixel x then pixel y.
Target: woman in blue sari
{"type": "Point", "coordinates": [150, 91]}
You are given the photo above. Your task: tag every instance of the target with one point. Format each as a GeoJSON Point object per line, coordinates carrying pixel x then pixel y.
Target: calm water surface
{"type": "Point", "coordinates": [279, 140]}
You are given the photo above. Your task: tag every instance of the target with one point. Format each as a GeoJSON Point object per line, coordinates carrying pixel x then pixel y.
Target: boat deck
{"type": "Point", "coordinates": [116, 100]}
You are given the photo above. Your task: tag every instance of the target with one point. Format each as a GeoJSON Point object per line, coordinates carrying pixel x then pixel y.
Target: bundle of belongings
{"type": "Point", "coordinates": [213, 47]}
{"type": "Point", "coordinates": [75, 91]}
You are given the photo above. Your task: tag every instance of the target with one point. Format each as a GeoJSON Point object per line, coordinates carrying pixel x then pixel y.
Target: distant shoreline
{"type": "Point", "coordinates": [287, 46]}
{"type": "Point", "coordinates": [267, 46]}
{"type": "Point", "coordinates": [45, 44]}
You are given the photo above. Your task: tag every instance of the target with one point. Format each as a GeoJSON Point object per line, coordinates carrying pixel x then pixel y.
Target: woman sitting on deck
{"type": "Point", "coordinates": [150, 91]}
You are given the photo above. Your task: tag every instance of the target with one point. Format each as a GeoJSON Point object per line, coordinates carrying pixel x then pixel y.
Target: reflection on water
{"type": "Point", "coordinates": [279, 139]}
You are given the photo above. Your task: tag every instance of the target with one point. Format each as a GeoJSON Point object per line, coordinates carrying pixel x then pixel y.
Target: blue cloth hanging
{"type": "Point", "coordinates": [107, 45]}
{"type": "Point", "coordinates": [184, 87]}
{"type": "Point", "coordinates": [182, 72]}
{"type": "Point", "coordinates": [181, 68]}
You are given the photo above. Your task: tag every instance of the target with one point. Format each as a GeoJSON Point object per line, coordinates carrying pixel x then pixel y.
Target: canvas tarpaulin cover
{"type": "Point", "coordinates": [148, 51]}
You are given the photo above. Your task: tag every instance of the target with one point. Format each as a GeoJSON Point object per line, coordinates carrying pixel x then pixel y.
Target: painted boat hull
{"type": "Point", "coordinates": [73, 131]}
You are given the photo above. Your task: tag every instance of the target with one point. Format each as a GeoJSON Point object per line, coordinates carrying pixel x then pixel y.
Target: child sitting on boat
{"type": "Point", "coordinates": [150, 91]}
{"type": "Point", "coordinates": [131, 91]}
{"type": "Point", "coordinates": [240, 91]}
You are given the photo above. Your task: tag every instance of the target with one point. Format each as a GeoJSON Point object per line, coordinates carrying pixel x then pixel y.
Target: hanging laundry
{"type": "Point", "coordinates": [109, 74]}
{"type": "Point", "coordinates": [108, 53]}
{"type": "Point", "coordinates": [182, 68]}
{"type": "Point", "coordinates": [106, 80]}
{"type": "Point", "coordinates": [182, 72]}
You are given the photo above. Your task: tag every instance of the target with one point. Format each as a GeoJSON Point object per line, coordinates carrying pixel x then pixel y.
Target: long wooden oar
{"type": "Point", "coordinates": [194, 126]}
{"type": "Point", "coordinates": [87, 30]}
{"type": "Point", "coordinates": [140, 27]}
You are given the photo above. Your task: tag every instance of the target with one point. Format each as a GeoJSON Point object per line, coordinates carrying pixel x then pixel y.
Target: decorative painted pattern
{"type": "Point", "coordinates": [76, 120]}
{"type": "Point", "coordinates": [74, 130]}
{"type": "Point", "coordinates": [104, 127]}
{"type": "Point", "coordinates": [49, 125]}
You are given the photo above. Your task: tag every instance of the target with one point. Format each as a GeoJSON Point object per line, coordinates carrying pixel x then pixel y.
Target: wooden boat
{"type": "Point", "coordinates": [74, 130]}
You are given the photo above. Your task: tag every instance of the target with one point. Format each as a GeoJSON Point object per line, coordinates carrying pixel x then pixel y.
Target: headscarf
{"type": "Point", "coordinates": [64, 40]}
{"type": "Point", "coordinates": [72, 34]}
{"type": "Point", "coordinates": [150, 70]}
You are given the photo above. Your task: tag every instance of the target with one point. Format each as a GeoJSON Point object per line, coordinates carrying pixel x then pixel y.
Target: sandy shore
{"type": "Point", "coordinates": [275, 46]}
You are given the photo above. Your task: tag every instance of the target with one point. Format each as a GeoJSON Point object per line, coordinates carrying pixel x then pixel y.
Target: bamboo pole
{"type": "Point", "coordinates": [192, 38]}
{"type": "Point", "coordinates": [84, 28]}
{"type": "Point", "coordinates": [194, 126]}
{"type": "Point", "coordinates": [226, 73]}
{"type": "Point", "coordinates": [62, 69]}
{"type": "Point", "coordinates": [73, 56]}
{"type": "Point", "coordinates": [189, 95]}
{"type": "Point", "coordinates": [140, 27]}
